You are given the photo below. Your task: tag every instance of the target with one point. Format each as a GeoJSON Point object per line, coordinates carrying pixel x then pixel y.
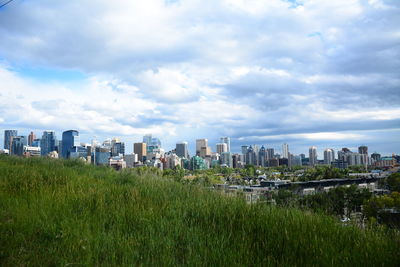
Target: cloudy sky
{"type": "Point", "coordinates": [311, 72]}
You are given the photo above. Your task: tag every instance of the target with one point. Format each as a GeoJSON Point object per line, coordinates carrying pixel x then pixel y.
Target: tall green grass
{"type": "Point", "coordinates": [55, 212]}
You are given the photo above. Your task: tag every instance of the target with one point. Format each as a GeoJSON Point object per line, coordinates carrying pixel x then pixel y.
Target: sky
{"type": "Point", "coordinates": [307, 73]}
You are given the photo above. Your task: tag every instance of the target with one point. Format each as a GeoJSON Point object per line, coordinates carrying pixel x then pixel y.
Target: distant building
{"type": "Point", "coordinates": [117, 163]}
{"type": "Point", "coordinates": [313, 156]}
{"type": "Point", "coordinates": [70, 141]}
{"type": "Point", "coordinates": [352, 158]}
{"type": "Point", "coordinates": [235, 160]}
{"type": "Point", "coordinates": [363, 150]}
{"type": "Point", "coordinates": [227, 141]}
{"type": "Point", "coordinates": [181, 150]}
{"type": "Point", "coordinates": [199, 144]}
{"type": "Point", "coordinates": [197, 163]}
{"type": "Point", "coordinates": [8, 134]}
{"type": "Point", "coordinates": [375, 156]}
{"type": "Point", "coordinates": [102, 155]}
{"type": "Point", "coordinates": [273, 162]}
{"type": "Point", "coordinates": [329, 156]}
{"type": "Point", "coordinates": [205, 152]}
{"type": "Point", "coordinates": [48, 143]}
{"type": "Point", "coordinates": [270, 153]}
{"type": "Point", "coordinates": [262, 157]}
{"type": "Point", "coordinates": [17, 145]}
{"type": "Point", "coordinates": [283, 162]}
{"type": "Point", "coordinates": [31, 138]}
{"type": "Point", "coordinates": [79, 152]}
{"type": "Point", "coordinates": [36, 142]}
{"type": "Point", "coordinates": [131, 160]}
{"type": "Point", "coordinates": [295, 160]}
{"type": "Point", "coordinates": [226, 159]}
{"type": "Point", "coordinates": [147, 139]}
{"type": "Point", "coordinates": [339, 163]}
{"type": "Point", "coordinates": [172, 161]}
{"type": "Point", "coordinates": [285, 151]}
{"type": "Point", "coordinates": [141, 150]}
{"type": "Point", "coordinates": [117, 148]}
{"type": "Point", "coordinates": [251, 156]}
{"type": "Point", "coordinates": [386, 162]}
{"type": "Point", "coordinates": [221, 148]}
{"type": "Point", "coordinates": [31, 151]}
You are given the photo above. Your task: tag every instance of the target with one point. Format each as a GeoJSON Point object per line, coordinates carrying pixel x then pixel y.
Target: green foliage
{"type": "Point", "coordinates": [379, 208]}
{"type": "Point", "coordinates": [394, 182]}
{"type": "Point", "coordinates": [56, 212]}
{"type": "Point", "coordinates": [337, 201]}
{"type": "Point", "coordinates": [323, 172]}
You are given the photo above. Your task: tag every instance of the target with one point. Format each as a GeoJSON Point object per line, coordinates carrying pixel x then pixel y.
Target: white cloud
{"type": "Point", "coordinates": [203, 67]}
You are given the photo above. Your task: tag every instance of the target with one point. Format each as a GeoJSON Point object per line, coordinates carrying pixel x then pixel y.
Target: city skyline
{"type": "Point", "coordinates": [191, 144]}
{"type": "Point", "coordinates": [305, 73]}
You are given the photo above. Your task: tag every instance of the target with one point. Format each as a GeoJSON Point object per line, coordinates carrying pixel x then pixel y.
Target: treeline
{"type": "Point", "coordinates": [343, 201]}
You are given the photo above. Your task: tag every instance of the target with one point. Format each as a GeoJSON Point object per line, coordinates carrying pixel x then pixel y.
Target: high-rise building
{"type": "Point", "coordinates": [48, 142]}
{"type": "Point", "coordinates": [147, 139]}
{"type": "Point", "coordinates": [363, 150]}
{"type": "Point", "coordinates": [285, 151]}
{"type": "Point", "coordinates": [376, 156]}
{"type": "Point", "coordinates": [199, 144]}
{"type": "Point", "coordinates": [70, 142]}
{"type": "Point", "coordinates": [251, 156]}
{"type": "Point", "coordinates": [36, 142]}
{"type": "Point", "coordinates": [226, 159]}
{"type": "Point", "coordinates": [205, 151]}
{"type": "Point", "coordinates": [8, 134]}
{"type": "Point", "coordinates": [235, 160]}
{"type": "Point", "coordinates": [262, 157]}
{"type": "Point", "coordinates": [17, 145]}
{"type": "Point", "coordinates": [227, 141]}
{"type": "Point", "coordinates": [31, 138]}
{"type": "Point", "coordinates": [329, 156]}
{"type": "Point", "coordinates": [102, 155]}
{"type": "Point", "coordinates": [141, 150]}
{"type": "Point", "coordinates": [221, 148]}
{"type": "Point", "coordinates": [270, 153]}
{"type": "Point", "coordinates": [182, 150]}
{"type": "Point", "coordinates": [117, 147]}
{"type": "Point", "coordinates": [313, 157]}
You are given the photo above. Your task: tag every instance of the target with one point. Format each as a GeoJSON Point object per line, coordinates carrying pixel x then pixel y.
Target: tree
{"type": "Point", "coordinates": [394, 182]}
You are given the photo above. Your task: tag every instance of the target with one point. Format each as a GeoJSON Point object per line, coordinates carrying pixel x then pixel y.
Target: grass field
{"type": "Point", "coordinates": [64, 213]}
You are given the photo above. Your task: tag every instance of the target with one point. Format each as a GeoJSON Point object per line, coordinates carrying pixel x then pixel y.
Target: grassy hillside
{"type": "Point", "coordinates": [55, 212]}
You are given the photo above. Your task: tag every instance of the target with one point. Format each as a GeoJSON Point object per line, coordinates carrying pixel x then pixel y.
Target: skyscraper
{"type": "Point", "coordinates": [312, 152]}
{"type": "Point", "coordinates": [182, 150]}
{"type": "Point", "coordinates": [48, 142]}
{"type": "Point", "coordinates": [147, 139]}
{"type": "Point", "coordinates": [199, 144]}
{"type": "Point", "coordinates": [141, 150]}
{"type": "Point", "coordinates": [227, 141]}
{"type": "Point", "coordinates": [262, 157]}
{"type": "Point", "coordinates": [117, 147]}
{"type": "Point", "coordinates": [17, 145]}
{"type": "Point", "coordinates": [8, 134]}
{"type": "Point", "coordinates": [329, 156]}
{"type": "Point", "coordinates": [270, 153]}
{"type": "Point", "coordinates": [221, 148]}
{"type": "Point", "coordinates": [70, 141]}
{"type": "Point", "coordinates": [285, 151]}
{"type": "Point", "coordinates": [31, 138]}
{"type": "Point", "coordinates": [226, 159]}
{"type": "Point", "coordinates": [363, 150]}
{"type": "Point", "coordinates": [251, 156]}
